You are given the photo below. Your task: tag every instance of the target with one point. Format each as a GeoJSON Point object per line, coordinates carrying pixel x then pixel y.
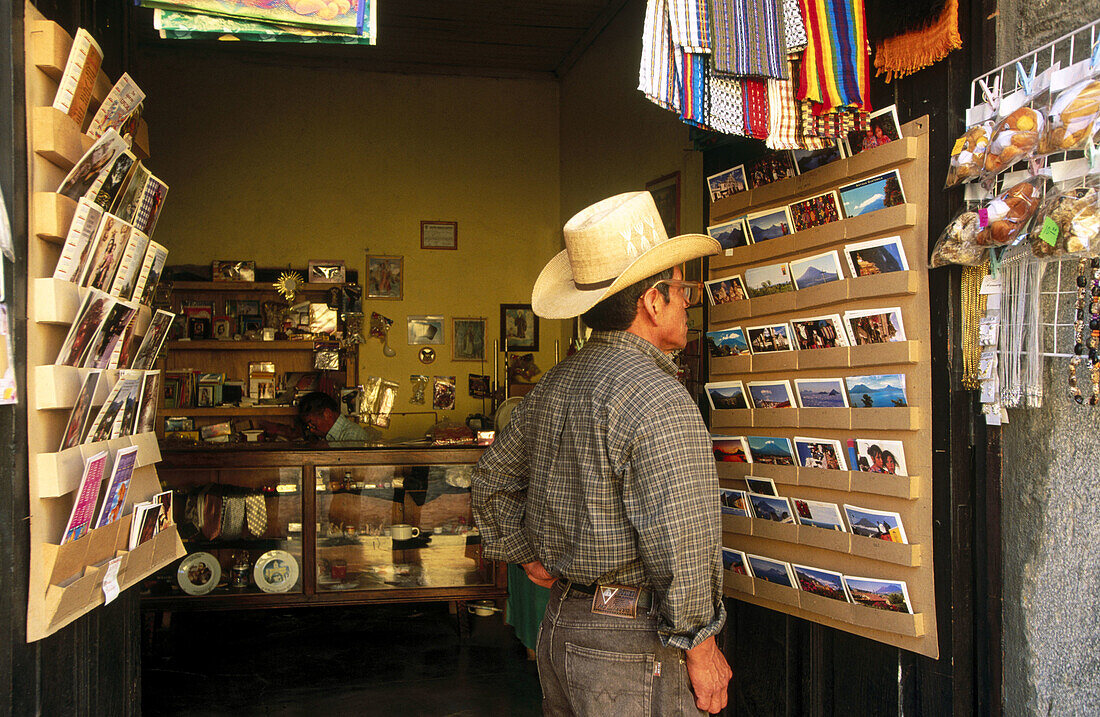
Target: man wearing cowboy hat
{"type": "Point", "coordinates": [603, 486]}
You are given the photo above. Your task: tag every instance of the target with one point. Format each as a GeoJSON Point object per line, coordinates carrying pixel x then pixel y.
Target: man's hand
{"type": "Point", "coordinates": [537, 574]}
{"type": "Point", "coordinates": [709, 674]}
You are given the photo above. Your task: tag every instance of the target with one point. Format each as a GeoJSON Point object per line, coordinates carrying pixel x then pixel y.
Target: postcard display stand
{"type": "Point", "coordinates": [66, 581]}
{"type": "Point", "coordinates": [910, 496]}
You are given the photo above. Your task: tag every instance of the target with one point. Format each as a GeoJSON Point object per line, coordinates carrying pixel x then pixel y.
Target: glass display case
{"type": "Point", "coordinates": [272, 526]}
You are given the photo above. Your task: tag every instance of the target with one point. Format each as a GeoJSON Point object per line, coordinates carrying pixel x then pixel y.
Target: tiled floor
{"type": "Point", "coordinates": [327, 662]}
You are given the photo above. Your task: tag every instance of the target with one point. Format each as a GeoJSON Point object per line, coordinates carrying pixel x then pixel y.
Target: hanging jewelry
{"type": "Point", "coordinates": [1078, 326]}
{"type": "Point", "coordinates": [1094, 331]}
{"type": "Point", "coordinates": [973, 309]}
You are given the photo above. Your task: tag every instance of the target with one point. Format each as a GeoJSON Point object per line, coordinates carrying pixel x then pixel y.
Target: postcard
{"type": "Point", "coordinates": [770, 279]}
{"type": "Point", "coordinates": [727, 183]}
{"type": "Point", "coordinates": [876, 391]}
{"type": "Point", "coordinates": [763, 486]}
{"type": "Point", "coordinates": [807, 159]}
{"type": "Point", "coordinates": [725, 395]}
{"type": "Point", "coordinates": [111, 239]}
{"type": "Point", "coordinates": [109, 334]}
{"type": "Point", "coordinates": [723, 291]}
{"type": "Point", "coordinates": [80, 519]}
{"type": "Point", "coordinates": [731, 449]}
{"type": "Point", "coordinates": [769, 168]}
{"type": "Point", "coordinates": [771, 449]}
{"type": "Point", "coordinates": [889, 595]}
{"type": "Point", "coordinates": [768, 224]}
{"type": "Point", "coordinates": [815, 211]}
{"type": "Point", "coordinates": [826, 583]}
{"type": "Point", "coordinates": [818, 514]}
{"type": "Point", "coordinates": [143, 526]}
{"type": "Point", "coordinates": [765, 339]}
{"type": "Point", "coordinates": [819, 332]}
{"type": "Point", "coordinates": [820, 453]}
{"type": "Point", "coordinates": [878, 524]}
{"type": "Point", "coordinates": [734, 561]}
{"type": "Point", "coordinates": [147, 404]}
{"type": "Point", "coordinates": [882, 128]}
{"type": "Point", "coordinates": [774, 571]}
{"type": "Point", "coordinates": [871, 194]}
{"type": "Point", "coordinates": [733, 502]}
{"type": "Point", "coordinates": [82, 407]}
{"type": "Point", "coordinates": [771, 394]}
{"type": "Point", "coordinates": [821, 392]}
{"type": "Point", "coordinates": [876, 256]}
{"type": "Point", "coordinates": [880, 456]}
{"type": "Point", "coordinates": [771, 507]}
{"type": "Point", "coordinates": [816, 270]}
{"type": "Point", "coordinates": [85, 326]}
{"type": "Point", "coordinates": [81, 178]}
{"type": "Point", "coordinates": [155, 336]}
{"type": "Point", "coordinates": [874, 326]}
{"type": "Point", "coordinates": [100, 427]}
{"type": "Point", "coordinates": [727, 342]}
{"type": "Point", "coordinates": [731, 234]}
{"type": "Point", "coordinates": [114, 499]}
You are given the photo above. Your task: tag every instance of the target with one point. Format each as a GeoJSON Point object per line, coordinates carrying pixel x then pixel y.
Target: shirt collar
{"type": "Point", "coordinates": [627, 340]}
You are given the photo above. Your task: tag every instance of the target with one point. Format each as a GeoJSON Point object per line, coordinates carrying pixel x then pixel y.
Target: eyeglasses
{"type": "Point", "coordinates": [691, 290]}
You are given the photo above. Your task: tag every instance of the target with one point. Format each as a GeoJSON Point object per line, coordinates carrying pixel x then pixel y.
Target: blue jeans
{"type": "Point", "coordinates": [597, 665]}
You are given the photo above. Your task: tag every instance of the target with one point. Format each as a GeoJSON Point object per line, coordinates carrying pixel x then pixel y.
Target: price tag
{"type": "Point", "coordinates": [1049, 232]}
{"type": "Point", "coordinates": [110, 580]}
{"type": "Point", "coordinates": [990, 285]}
{"type": "Point", "coordinates": [958, 146]}
{"type": "Point", "coordinates": [983, 218]}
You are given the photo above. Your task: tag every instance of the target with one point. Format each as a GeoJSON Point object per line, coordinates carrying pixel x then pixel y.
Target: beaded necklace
{"type": "Point", "coordinates": [1078, 326]}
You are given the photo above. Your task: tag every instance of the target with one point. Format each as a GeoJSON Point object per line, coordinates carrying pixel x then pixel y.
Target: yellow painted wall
{"type": "Point", "coordinates": [283, 164]}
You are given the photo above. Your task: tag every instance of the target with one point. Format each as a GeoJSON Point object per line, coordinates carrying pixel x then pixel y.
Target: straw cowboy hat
{"type": "Point", "coordinates": [609, 246]}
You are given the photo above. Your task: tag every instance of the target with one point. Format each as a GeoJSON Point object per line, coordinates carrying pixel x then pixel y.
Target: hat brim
{"type": "Point", "coordinates": [556, 296]}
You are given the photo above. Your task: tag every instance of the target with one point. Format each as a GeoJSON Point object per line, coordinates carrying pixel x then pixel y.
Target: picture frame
{"type": "Point", "coordinates": [731, 234]}
{"type": "Point", "coordinates": [666, 195]}
{"type": "Point", "coordinates": [876, 256]}
{"type": "Point", "coordinates": [815, 212]}
{"type": "Point", "coordinates": [468, 338]}
{"type": "Point", "coordinates": [223, 328]}
{"type": "Point", "coordinates": [331, 271]}
{"type": "Point", "coordinates": [724, 395]}
{"type": "Point", "coordinates": [730, 449]}
{"type": "Point", "coordinates": [725, 290]}
{"type": "Point", "coordinates": [426, 330]}
{"type": "Point", "coordinates": [438, 235]}
{"type": "Point", "coordinates": [871, 194]}
{"type": "Point", "coordinates": [727, 183]}
{"type": "Point", "coordinates": [771, 394]}
{"type": "Point", "coordinates": [816, 270]}
{"type": "Point", "coordinates": [882, 128]}
{"type": "Point", "coordinates": [519, 328]}
{"type": "Point", "coordinates": [768, 224]}
{"type": "Point", "coordinates": [232, 270]}
{"type": "Point", "coordinates": [385, 276]}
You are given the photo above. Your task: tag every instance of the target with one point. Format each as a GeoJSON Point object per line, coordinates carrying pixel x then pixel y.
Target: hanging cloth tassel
{"type": "Point", "coordinates": [900, 56]}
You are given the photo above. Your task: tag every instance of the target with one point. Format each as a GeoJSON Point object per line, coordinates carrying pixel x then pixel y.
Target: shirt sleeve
{"type": "Point", "coordinates": [499, 495]}
{"type": "Point", "coordinates": [671, 495]}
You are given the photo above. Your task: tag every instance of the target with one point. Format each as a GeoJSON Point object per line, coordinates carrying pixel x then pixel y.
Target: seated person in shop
{"type": "Point", "coordinates": [319, 415]}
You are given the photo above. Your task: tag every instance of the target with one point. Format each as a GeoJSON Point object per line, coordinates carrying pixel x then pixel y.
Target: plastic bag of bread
{"type": "Point", "coordinates": [1072, 117]}
{"type": "Point", "coordinates": [958, 241]}
{"type": "Point", "coordinates": [1007, 214]}
{"type": "Point", "coordinates": [968, 155]}
{"type": "Point", "coordinates": [1015, 137]}
{"type": "Point", "coordinates": [1068, 222]}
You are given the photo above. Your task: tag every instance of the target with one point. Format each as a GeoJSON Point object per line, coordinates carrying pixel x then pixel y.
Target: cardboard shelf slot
{"type": "Point", "coordinates": [774, 303]}
{"type": "Point", "coordinates": [736, 418]}
{"type": "Point", "coordinates": [737, 524]}
{"type": "Point", "coordinates": [729, 470]}
{"type": "Point", "coordinates": [774, 361]}
{"type": "Point", "coordinates": [58, 138]}
{"type": "Point", "coordinates": [772, 530]}
{"type": "Point", "coordinates": [49, 51]}
{"type": "Point", "coordinates": [907, 487]}
{"type": "Point", "coordinates": [895, 283]}
{"type": "Point", "coordinates": [730, 311]}
{"type": "Point", "coordinates": [776, 593]}
{"type": "Point", "coordinates": [726, 365]}
{"type": "Point", "coordinates": [57, 474]}
{"type": "Point", "coordinates": [774, 417]}
{"type": "Point", "coordinates": [58, 386]}
{"type": "Point", "coordinates": [787, 475]}
{"type": "Point", "coordinates": [896, 352]}
{"type": "Point", "coordinates": [900, 623]}
{"type": "Point", "coordinates": [886, 419]}
{"type": "Point", "coordinates": [906, 554]}
{"type": "Point", "coordinates": [828, 418]}
{"type": "Point", "coordinates": [56, 301]}
{"type": "Point", "coordinates": [836, 609]}
{"type": "Point", "coordinates": [737, 583]}
{"type": "Point", "coordinates": [836, 540]}
{"type": "Point", "coordinates": [53, 214]}
{"type": "Point", "coordinates": [824, 478]}
{"type": "Point", "coordinates": [836, 357]}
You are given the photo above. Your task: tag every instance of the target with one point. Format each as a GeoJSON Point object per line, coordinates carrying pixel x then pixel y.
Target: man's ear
{"type": "Point", "coordinates": [651, 305]}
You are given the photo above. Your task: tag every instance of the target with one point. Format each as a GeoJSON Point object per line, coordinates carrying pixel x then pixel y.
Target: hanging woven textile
{"type": "Point", "coordinates": [749, 38]}
{"type": "Point", "coordinates": [836, 67]}
{"type": "Point", "coordinates": [904, 54]}
{"type": "Point", "coordinates": [657, 73]}
{"type": "Point", "coordinates": [793, 26]}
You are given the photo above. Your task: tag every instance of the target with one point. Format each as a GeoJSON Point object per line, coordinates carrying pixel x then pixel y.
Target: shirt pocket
{"type": "Point", "coordinates": [605, 683]}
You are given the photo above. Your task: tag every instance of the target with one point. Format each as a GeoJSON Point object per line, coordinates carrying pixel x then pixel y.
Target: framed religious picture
{"type": "Point", "coordinates": [666, 195]}
{"type": "Point", "coordinates": [326, 272]}
{"type": "Point", "coordinates": [426, 330]}
{"type": "Point", "coordinates": [385, 277]}
{"type": "Point", "coordinates": [519, 328]}
{"type": "Point", "coordinates": [468, 339]}
{"type": "Point", "coordinates": [438, 235]}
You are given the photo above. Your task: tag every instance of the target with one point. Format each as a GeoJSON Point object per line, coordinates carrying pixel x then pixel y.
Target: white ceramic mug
{"type": "Point", "coordinates": [403, 531]}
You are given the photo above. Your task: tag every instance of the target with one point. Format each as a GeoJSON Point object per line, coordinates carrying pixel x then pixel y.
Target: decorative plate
{"type": "Point", "coordinates": [276, 571]}
{"type": "Point", "coordinates": [199, 573]}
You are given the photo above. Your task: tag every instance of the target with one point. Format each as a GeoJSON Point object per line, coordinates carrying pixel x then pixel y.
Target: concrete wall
{"type": "Point", "coordinates": [1049, 487]}
{"type": "Point", "coordinates": [283, 164]}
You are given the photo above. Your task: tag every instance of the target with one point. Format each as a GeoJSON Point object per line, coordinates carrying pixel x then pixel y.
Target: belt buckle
{"type": "Point", "coordinates": [616, 601]}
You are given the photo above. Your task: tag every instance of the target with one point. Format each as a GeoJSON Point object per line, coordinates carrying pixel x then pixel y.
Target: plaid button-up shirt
{"type": "Point", "coordinates": [605, 474]}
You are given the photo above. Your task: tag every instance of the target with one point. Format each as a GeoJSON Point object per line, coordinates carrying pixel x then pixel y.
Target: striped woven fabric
{"type": "Point", "coordinates": [690, 25]}
{"type": "Point", "coordinates": [756, 109]}
{"type": "Point", "coordinates": [693, 109]}
{"type": "Point", "coordinates": [782, 115]}
{"type": "Point", "coordinates": [836, 69]}
{"type": "Point", "coordinates": [793, 26]}
{"type": "Point", "coordinates": [749, 38]}
{"type": "Point", "coordinates": [657, 72]}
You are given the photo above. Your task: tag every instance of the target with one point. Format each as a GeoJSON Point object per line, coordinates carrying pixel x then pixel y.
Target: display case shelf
{"type": "Point", "coordinates": [739, 420]}
{"type": "Point", "coordinates": [53, 214]}
{"type": "Point", "coordinates": [904, 554]}
{"type": "Point", "coordinates": [213, 345]}
{"type": "Point", "coordinates": [805, 301]}
{"type": "Point", "coordinates": [893, 486]}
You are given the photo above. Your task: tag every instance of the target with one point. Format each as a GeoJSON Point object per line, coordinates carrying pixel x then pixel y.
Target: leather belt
{"type": "Point", "coordinates": [581, 590]}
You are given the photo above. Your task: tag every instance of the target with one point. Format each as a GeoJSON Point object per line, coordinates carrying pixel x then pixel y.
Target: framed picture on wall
{"type": "Point", "coordinates": [438, 235]}
{"type": "Point", "coordinates": [326, 272]}
{"type": "Point", "coordinates": [426, 330]}
{"type": "Point", "coordinates": [468, 339]}
{"type": "Point", "coordinates": [385, 277]}
{"type": "Point", "coordinates": [519, 328]}
{"type": "Point", "coordinates": [666, 194]}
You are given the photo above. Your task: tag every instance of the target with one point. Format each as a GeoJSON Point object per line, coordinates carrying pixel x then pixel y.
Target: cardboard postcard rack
{"type": "Point", "coordinates": [66, 581]}
{"type": "Point", "coordinates": [910, 495]}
